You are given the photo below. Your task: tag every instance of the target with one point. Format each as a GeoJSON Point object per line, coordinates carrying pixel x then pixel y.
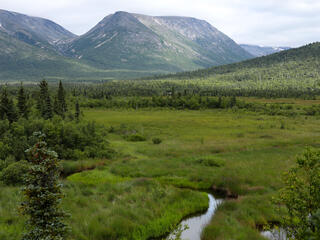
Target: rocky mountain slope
{"type": "Point", "coordinates": [133, 41]}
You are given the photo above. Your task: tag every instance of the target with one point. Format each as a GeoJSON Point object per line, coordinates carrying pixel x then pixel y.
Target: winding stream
{"type": "Point", "coordinates": [197, 223]}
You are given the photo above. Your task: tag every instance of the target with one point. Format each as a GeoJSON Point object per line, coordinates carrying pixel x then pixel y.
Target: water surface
{"type": "Point", "coordinates": [197, 223]}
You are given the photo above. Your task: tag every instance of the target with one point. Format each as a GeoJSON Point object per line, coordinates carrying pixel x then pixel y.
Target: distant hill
{"type": "Point", "coordinates": [122, 45]}
{"type": "Point", "coordinates": [291, 72]}
{"type": "Point", "coordinates": [259, 51]}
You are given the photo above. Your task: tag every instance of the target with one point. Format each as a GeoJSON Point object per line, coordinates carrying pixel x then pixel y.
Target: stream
{"type": "Point", "coordinates": [197, 223]}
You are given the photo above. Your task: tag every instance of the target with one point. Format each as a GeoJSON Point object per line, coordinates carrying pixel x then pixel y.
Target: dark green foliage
{"type": "Point", "coordinates": [14, 173]}
{"type": "Point", "coordinates": [7, 108]}
{"type": "Point", "coordinates": [156, 140]}
{"type": "Point", "coordinates": [4, 102]}
{"type": "Point", "coordinates": [61, 105]}
{"type": "Point", "coordinates": [77, 111]}
{"type": "Point", "coordinates": [314, 229]}
{"type": "Point", "coordinates": [44, 100]}
{"type": "Point", "coordinates": [301, 196]}
{"type": "Point", "coordinates": [22, 103]}
{"type": "Point", "coordinates": [135, 138]}
{"type": "Point", "coordinates": [47, 111]}
{"type": "Point", "coordinates": [69, 139]}
{"type": "Point", "coordinates": [11, 111]}
{"type": "Point", "coordinates": [43, 195]}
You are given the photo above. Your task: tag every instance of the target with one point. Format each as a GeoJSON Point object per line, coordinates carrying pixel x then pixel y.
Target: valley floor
{"type": "Point", "coordinates": [146, 190]}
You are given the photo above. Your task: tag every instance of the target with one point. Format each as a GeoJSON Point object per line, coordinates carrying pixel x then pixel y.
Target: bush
{"type": "Point", "coordinates": [156, 140]}
{"type": "Point", "coordinates": [5, 163]}
{"type": "Point", "coordinates": [136, 138]}
{"type": "Point", "coordinates": [14, 173]}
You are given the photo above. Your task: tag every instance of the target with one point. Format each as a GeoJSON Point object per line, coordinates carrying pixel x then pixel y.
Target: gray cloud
{"type": "Point", "coordinates": [268, 22]}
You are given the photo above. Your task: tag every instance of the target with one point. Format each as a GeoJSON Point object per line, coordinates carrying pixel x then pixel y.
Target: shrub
{"type": "Point", "coordinates": [135, 138]}
{"type": "Point", "coordinates": [156, 140]}
{"type": "Point", "coordinates": [300, 195]}
{"type": "Point", "coordinates": [14, 173]}
{"type": "Point", "coordinates": [5, 163]}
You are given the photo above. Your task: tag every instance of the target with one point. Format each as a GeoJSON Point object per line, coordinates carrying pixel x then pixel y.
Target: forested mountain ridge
{"type": "Point", "coordinates": [122, 45]}
{"type": "Point", "coordinates": [306, 59]}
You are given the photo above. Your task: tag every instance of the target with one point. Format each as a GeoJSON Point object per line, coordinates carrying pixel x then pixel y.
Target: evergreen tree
{"type": "Point", "coordinates": [22, 103]}
{"type": "Point", "coordinates": [11, 112]}
{"type": "Point", "coordinates": [42, 100]}
{"type": "Point", "coordinates": [55, 105]}
{"type": "Point", "coordinates": [4, 102]}
{"type": "Point", "coordinates": [62, 105]}
{"type": "Point", "coordinates": [48, 114]}
{"type": "Point", "coordinates": [43, 194]}
{"type": "Point", "coordinates": [77, 112]}
{"type": "Point", "coordinates": [7, 108]}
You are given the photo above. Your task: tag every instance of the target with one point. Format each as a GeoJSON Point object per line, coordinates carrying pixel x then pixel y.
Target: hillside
{"type": "Point", "coordinates": [291, 73]}
{"type": "Point", "coordinates": [259, 51]}
{"type": "Point", "coordinates": [20, 61]}
{"type": "Point", "coordinates": [121, 46]}
{"type": "Point", "coordinates": [133, 41]}
{"type": "Point", "coordinates": [35, 31]}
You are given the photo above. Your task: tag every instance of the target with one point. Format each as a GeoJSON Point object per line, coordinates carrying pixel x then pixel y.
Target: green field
{"type": "Point", "coordinates": [138, 194]}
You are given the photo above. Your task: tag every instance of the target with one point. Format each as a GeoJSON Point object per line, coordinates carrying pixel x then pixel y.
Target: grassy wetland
{"type": "Point", "coordinates": [146, 188]}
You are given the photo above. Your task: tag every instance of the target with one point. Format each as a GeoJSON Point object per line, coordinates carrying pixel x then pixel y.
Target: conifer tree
{"type": "Point", "coordinates": [62, 105]}
{"type": "Point", "coordinates": [11, 111]}
{"type": "Point", "coordinates": [48, 113]}
{"type": "Point", "coordinates": [43, 96]}
{"type": "Point", "coordinates": [42, 194]}
{"type": "Point", "coordinates": [4, 102]}
{"type": "Point", "coordinates": [55, 105]}
{"type": "Point", "coordinates": [77, 112]}
{"type": "Point", "coordinates": [22, 103]}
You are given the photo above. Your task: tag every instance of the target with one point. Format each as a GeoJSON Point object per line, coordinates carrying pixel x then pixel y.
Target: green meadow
{"type": "Point", "coordinates": [146, 189]}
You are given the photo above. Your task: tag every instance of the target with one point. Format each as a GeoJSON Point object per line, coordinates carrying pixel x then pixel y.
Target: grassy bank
{"type": "Point", "coordinates": [135, 209]}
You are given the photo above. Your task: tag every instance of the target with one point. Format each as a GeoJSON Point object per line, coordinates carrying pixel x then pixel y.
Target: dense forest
{"type": "Point", "coordinates": [52, 113]}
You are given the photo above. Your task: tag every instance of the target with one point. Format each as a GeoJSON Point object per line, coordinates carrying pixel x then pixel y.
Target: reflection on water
{"type": "Point", "coordinates": [197, 224]}
{"type": "Point", "coordinates": [275, 234]}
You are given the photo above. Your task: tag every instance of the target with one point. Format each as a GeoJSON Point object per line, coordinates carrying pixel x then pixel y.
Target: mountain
{"type": "Point", "coordinates": [122, 45]}
{"type": "Point", "coordinates": [133, 41]}
{"type": "Point", "coordinates": [259, 51]}
{"type": "Point", "coordinates": [35, 31]}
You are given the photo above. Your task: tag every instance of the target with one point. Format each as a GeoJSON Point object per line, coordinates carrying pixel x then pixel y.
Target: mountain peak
{"type": "Point", "coordinates": [32, 30]}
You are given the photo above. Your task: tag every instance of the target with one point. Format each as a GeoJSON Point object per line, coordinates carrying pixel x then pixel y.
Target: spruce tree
{"type": "Point", "coordinates": [44, 104]}
{"type": "Point", "coordinates": [4, 102]}
{"type": "Point", "coordinates": [22, 103]}
{"type": "Point", "coordinates": [43, 96]}
{"type": "Point", "coordinates": [11, 112]}
{"type": "Point", "coordinates": [55, 105]}
{"type": "Point", "coordinates": [77, 112]}
{"type": "Point", "coordinates": [42, 194]}
{"type": "Point", "coordinates": [48, 113]}
{"type": "Point", "coordinates": [62, 105]}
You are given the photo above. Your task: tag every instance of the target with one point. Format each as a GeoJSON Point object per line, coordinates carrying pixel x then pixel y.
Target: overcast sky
{"type": "Point", "coordinates": [262, 22]}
